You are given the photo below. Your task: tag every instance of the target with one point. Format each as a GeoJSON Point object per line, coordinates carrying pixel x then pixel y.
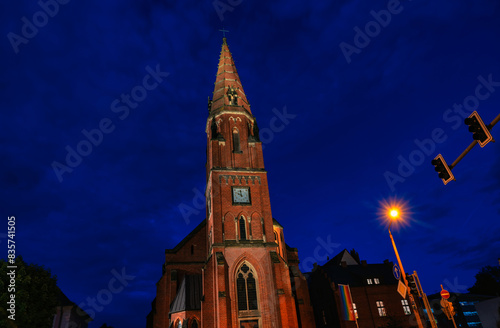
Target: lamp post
{"type": "Point", "coordinates": [393, 215]}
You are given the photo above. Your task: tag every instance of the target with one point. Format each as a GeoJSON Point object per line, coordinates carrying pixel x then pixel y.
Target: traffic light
{"type": "Point", "coordinates": [448, 308]}
{"type": "Point", "coordinates": [451, 309]}
{"type": "Point", "coordinates": [443, 169]}
{"type": "Point", "coordinates": [479, 131]}
{"type": "Point", "coordinates": [412, 284]}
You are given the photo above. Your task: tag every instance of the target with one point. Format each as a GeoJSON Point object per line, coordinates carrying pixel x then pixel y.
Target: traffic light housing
{"type": "Point", "coordinates": [479, 130]}
{"type": "Point", "coordinates": [448, 308]}
{"type": "Point", "coordinates": [411, 283]}
{"type": "Point", "coordinates": [451, 308]}
{"type": "Point", "coordinates": [443, 169]}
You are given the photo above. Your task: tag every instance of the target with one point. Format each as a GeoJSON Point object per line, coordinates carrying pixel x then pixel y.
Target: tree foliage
{"type": "Point", "coordinates": [36, 295]}
{"type": "Point", "coordinates": [487, 281]}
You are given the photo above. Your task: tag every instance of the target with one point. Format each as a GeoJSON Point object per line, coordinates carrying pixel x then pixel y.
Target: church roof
{"type": "Point", "coordinates": [276, 223]}
{"type": "Point", "coordinates": [189, 295]}
{"type": "Point", "coordinates": [62, 299]}
{"type": "Point", "coordinates": [187, 238]}
{"type": "Point", "coordinates": [228, 81]}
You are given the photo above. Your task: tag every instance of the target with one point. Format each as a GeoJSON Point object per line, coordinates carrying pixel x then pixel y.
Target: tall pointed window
{"type": "Point", "coordinates": [243, 233]}
{"type": "Point", "coordinates": [246, 289]}
{"type": "Point", "coordinates": [236, 141]}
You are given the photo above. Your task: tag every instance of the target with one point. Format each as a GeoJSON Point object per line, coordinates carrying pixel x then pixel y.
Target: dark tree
{"type": "Point", "coordinates": [35, 295]}
{"type": "Point", "coordinates": [487, 281]}
{"type": "Point", "coordinates": [105, 326]}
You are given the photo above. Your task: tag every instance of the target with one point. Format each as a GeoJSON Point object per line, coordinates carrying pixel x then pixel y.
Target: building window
{"type": "Point", "coordinates": [406, 307]}
{"type": "Point", "coordinates": [194, 324]}
{"type": "Point", "coordinates": [369, 281]}
{"type": "Point", "coordinates": [376, 281]}
{"type": "Point", "coordinates": [381, 309]}
{"type": "Point", "coordinates": [236, 141]}
{"type": "Point", "coordinates": [355, 310]}
{"type": "Point", "coordinates": [243, 234]}
{"type": "Point", "coordinates": [246, 289]}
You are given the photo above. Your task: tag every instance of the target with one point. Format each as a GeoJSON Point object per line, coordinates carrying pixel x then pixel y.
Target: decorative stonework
{"type": "Point", "coordinates": [239, 178]}
{"type": "Point", "coordinates": [274, 257]}
{"type": "Point", "coordinates": [220, 258]}
{"type": "Point", "coordinates": [235, 119]}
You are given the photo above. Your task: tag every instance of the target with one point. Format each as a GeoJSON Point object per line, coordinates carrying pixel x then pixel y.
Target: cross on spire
{"type": "Point", "coordinates": [224, 32]}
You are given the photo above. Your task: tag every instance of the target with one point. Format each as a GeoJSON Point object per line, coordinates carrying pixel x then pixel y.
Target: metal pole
{"type": "Point", "coordinates": [495, 121]}
{"type": "Point", "coordinates": [398, 258]}
{"type": "Point", "coordinates": [417, 315]}
{"type": "Point", "coordinates": [468, 149]}
{"type": "Point", "coordinates": [426, 302]}
{"type": "Point", "coordinates": [453, 320]}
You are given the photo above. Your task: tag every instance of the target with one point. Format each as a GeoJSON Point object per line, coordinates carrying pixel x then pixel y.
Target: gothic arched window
{"type": "Point", "coordinates": [246, 288]}
{"type": "Point", "coordinates": [194, 324]}
{"type": "Point", "coordinates": [236, 141]}
{"type": "Point", "coordinates": [243, 233]}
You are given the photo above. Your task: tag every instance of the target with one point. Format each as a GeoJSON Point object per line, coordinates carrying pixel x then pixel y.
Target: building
{"type": "Point", "coordinates": [373, 287]}
{"type": "Point", "coordinates": [489, 312]}
{"type": "Point", "coordinates": [68, 314]}
{"type": "Point", "coordinates": [234, 269]}
{"type": "Point", "coordinates": [467, 314]}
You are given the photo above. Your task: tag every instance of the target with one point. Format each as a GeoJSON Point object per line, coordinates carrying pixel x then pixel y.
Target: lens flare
{"type": "Point", "coordinates": [394, 210]}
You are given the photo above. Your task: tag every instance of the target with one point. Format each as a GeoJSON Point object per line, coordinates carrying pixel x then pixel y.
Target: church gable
{"type": "Point", "coordinates": [193, 248]}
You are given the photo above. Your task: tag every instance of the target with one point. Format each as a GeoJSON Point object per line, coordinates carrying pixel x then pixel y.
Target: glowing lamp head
{"type": "Point", "coordinates": [394, 212]}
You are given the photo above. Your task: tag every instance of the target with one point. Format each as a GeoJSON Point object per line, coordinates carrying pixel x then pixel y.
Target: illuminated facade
{"type": "Point", "coordinates": [234, 269]}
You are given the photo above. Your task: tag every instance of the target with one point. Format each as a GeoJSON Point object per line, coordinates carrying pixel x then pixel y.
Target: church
{"type": "Point", "coordinates": [234, 269]}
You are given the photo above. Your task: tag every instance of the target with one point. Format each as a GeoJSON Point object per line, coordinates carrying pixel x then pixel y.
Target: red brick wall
{"type": "Point", "coordinates": [366, 298]}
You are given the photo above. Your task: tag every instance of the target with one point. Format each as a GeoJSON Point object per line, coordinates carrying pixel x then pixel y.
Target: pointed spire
{"type": "Point", "coordinates": [228, 91]}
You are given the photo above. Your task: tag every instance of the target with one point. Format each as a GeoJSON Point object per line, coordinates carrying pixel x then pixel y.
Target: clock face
{"type": "Point", "coordinates": [241, 195]}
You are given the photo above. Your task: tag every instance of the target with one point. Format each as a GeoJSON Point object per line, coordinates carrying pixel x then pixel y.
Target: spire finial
{"type": "Point", "coordinates": [224, 32]}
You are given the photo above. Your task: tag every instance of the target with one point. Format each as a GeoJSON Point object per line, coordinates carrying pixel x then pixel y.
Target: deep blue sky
{"type": "Point", "coordinates": [355, 121]}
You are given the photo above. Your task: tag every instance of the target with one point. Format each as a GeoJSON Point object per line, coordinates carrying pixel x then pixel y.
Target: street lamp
{"type": "Point", "coordinates": [394, 214]}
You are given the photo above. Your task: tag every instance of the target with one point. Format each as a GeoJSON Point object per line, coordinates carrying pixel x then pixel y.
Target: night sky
{"type": "Point", "coordinates": [361, 116]}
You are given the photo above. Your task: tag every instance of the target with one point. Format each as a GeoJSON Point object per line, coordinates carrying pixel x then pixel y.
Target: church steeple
{"type": "Point", "coordinates": [232, 132]}
{"type": "Point", "coordinates": [228, 91]}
